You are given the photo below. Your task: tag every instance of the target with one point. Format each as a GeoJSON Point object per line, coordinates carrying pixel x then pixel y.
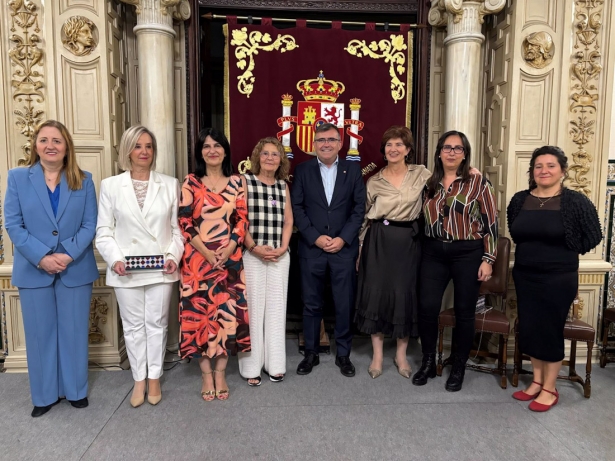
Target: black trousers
{"type": "Point", "coordinates": [343, 276]}
{"type": "Point", "coordinates": [441, 262]}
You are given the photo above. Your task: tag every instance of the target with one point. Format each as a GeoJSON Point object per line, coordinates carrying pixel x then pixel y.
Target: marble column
{"type": "Point", "coordinates": [463, 20]}
{"type": "Point", "coordinates": [155, 35]}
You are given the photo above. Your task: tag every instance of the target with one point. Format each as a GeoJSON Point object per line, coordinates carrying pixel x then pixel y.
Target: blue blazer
{"type": "Point", "coordinates": [36, 232]}
{"type": "Point", "coordinates": [314, 217]}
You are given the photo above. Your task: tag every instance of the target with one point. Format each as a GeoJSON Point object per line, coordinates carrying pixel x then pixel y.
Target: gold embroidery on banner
{"type": "Point", "coordinates": [392, 51]}
{"type": "Point", "coordinates": [244, 166]}
{"type": "Point", "coordinates": [249, 45]}
{"type": "Point", "coordinates": [26, 58]}
{"type": "Point", "coordinates": [98, 316]}
{"type": "Point", "coordinates": [586, 67]}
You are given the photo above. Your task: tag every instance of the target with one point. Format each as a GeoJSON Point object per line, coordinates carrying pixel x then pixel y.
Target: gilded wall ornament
{"type": "Point", "coordinates": [392, 51]}
{"type": "Point", "coordinates": [98, 317]}
{"type": "Point", "coordinates": [26, 56]}
{"type": "Point", "coordinates": [249, 45]}
{"type": "Point", "coordinates": [586, 68]}
{"type": "Point", "coordinates": [79, 35]}
{"type": "Point", "coordinates": [538, 49]}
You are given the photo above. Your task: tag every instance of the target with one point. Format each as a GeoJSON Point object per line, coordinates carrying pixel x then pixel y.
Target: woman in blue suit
{"type": "Point", "coordinates": [50, 216]}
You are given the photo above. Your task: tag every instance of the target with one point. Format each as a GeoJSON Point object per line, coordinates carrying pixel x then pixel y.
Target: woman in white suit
{"type": "Point", "coordinates": [139, 218]}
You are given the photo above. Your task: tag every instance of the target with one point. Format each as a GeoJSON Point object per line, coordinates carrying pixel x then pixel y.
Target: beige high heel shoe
{"type": "Point", "coordinates": [208, 396]}
{"type": "Point", "coordinates": [405, 372]}
{"type": "Point", "coordinates": [153, 399]}
{"type": "Point", "coordinates": [137, 400]}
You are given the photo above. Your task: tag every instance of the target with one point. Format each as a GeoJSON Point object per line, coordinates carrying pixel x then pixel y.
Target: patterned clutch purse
{"type": "Point", "coordinates": [145, 263]}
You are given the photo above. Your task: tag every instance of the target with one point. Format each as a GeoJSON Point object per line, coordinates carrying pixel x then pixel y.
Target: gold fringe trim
{"type": "Point", "coordinates": [227, 98]}
{"type": "Point", "coordinates": [410, 70]}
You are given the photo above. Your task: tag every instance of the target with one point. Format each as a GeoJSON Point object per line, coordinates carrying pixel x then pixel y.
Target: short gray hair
{"type": "Point", "coordinates": [128, 143]}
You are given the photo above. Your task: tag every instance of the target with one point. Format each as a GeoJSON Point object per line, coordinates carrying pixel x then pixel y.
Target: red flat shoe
{"type": "Point", "coordinates": [524, 396]}
{"type": "Point", "coordinates": [541, 407]}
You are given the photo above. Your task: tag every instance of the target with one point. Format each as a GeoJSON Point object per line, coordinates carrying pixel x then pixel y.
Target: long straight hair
{"type": "Point", "coordinates": [200, 169]}
{"type": "Point", "coordinates": [438, 171]}
{"type": "Point", "coordinates": [74, 174]}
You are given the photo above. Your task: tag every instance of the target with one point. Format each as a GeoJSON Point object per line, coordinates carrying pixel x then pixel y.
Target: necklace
{"type": "Point", "coordinates": [213, 189]}
{"type": "Point", "coordinates": [542, 202]}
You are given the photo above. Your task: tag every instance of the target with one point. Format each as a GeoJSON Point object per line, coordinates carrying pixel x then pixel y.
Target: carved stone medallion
{"type": "Point", "coordinates": [538, 49]}
{"type": "Point", "coordinates": [79, 35]}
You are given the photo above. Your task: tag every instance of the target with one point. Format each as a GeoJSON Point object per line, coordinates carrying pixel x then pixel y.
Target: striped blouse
{"type": "Point", "coordinates": [467, 211]}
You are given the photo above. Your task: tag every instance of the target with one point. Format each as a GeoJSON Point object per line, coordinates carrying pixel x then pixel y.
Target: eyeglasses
{"type": "Point", "coordinates": [456, 149]}
{"type": "Point", "coordinates": [324, 140]}
{"type": "Point", "coordinates": [270, 154]}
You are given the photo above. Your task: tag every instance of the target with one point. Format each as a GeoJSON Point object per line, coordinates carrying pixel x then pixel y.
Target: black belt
{"type": "Point", "coordinates": [388, 222]}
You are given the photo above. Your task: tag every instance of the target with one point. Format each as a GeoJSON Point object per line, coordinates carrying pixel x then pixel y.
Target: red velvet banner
{"type": "Point", "coordinates": [284, 82]}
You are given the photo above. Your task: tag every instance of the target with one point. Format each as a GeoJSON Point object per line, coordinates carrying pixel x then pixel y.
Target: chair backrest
{"type": "Point", "coordinates": [498, 283]}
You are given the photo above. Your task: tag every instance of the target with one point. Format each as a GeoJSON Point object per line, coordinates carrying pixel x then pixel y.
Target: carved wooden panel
{"type": "Point", "coordinates": [436, 92]}
{"type": "Point", "coordinates": [522, 165]}
{"type": "Point", "coordinates": [91, 159]}
{"type": "Point", "coordinates": [82, 90]}
{"type": "Point", "coordinates": [534, 99]}
{"type": "Point", "coordinates": [67, 5]}
{"type": "Point", "coordinates": [15, 323]}
{"type": "Point", "coordinates": [539, 12]}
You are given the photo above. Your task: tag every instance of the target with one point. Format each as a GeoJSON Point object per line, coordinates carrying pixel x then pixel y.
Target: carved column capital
{"type": "Point", "coordinates": [443, 11]}
{"type": "Point", "coordinates": [163, 10]}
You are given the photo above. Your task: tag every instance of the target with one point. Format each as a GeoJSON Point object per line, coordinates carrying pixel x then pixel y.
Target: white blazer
{"type": "Point", "coordinates": [123, 229]}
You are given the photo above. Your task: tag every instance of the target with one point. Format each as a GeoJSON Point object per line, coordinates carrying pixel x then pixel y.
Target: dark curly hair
{"type": "Point", "coordinates": [547, 150]}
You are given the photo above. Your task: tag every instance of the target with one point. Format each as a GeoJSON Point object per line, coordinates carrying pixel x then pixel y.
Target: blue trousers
{"type": "Point", "coordinates": [56, 323]}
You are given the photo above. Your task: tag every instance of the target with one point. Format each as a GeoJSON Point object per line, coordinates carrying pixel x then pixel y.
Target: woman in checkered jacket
{"type": "Point", "coordinates": [266, 261]}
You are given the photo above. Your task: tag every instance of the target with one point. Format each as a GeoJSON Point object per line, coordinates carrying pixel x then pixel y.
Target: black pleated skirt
{"type": "Point", "coordinates": [544, 298]}
{"type": "Point", "coordinates": [387, 283]}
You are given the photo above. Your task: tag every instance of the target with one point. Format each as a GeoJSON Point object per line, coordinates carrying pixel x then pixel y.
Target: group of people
{"type": "Point", "coordinates": [388, 248]}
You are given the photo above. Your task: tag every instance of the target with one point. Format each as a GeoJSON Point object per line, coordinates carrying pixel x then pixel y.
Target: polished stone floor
{"type": "Point", "coordinates": [320, 416]}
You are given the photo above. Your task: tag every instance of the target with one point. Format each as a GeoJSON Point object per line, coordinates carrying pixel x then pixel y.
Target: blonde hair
{"type": "Point", "coordinates": [128, 143]}
{"type": "Point", "coordinates": [74, 174]}
{"type": "Point", "coordinates": [255, 158]}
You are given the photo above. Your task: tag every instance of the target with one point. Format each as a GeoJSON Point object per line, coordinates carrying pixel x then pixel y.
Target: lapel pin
{"type": "Point", "coordinates": [344, 171]}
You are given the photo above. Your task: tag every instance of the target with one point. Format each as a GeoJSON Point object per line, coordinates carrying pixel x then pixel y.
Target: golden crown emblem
{"type": "Point", "coordinates": [320, 89]}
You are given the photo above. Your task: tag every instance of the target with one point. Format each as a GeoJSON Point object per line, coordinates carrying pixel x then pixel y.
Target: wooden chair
{"type": "Point", "coordinates": [574, 330]}
{"type": "Point", "coordinates": [493, 321]}
{"type": "Point", "coordinates": [607, 319]}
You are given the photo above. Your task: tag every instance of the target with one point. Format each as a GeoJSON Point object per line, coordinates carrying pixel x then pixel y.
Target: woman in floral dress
{"type": "Point", "coordinates": [213, 311]}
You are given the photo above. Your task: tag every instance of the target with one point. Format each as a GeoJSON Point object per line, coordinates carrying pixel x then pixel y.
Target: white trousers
{"type": "Point", "coordinates": [145, 318]}
{"type": "Point", "coordinates": [266, 289]}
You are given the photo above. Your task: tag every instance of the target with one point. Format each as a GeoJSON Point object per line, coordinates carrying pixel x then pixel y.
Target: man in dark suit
{"type": "Point", "coordinates": [328, 199]}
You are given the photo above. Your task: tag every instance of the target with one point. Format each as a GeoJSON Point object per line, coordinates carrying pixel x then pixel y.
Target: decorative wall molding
{"type": "Point", "coordinates": [156, 11]}
{"type": "Point", "coordinates": [26, 57]}
{"type": "Point", "coordinates": [408, 6]}
{"type": "Point", "coordinates": [586, 67]}
{"type": "Point", "coordinates": [79, 35]}
{"type": "Point", "coordinates": [98, 316]}
{"type": "Point", "coordinates": [457, 10]}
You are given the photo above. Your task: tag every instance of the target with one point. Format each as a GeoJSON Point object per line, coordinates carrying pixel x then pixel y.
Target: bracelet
{"type": "Point", "coordinates": [252, 247]}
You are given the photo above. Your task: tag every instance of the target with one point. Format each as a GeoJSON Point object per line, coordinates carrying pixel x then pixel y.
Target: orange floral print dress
{"type": "Point", "coordinates": [213, 312]}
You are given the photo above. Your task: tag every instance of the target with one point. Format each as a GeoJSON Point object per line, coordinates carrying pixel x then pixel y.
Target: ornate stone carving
{"type": "Point", "coordinates": [393, 52]}
{"type": "Point", "coordinates": [586, 67]}
{"type": "Point", "coordinates": [98, 317]}
{"type": "Point", "coordinates": [441, 9]}
{"type": "Point", "coordinates": [538, 49]}
{"type": "Point", "coordinates": [27, 78]}
{"type": "Point", "coordinates": [248, 45]}
{"type": "Point", "coordinates": [179, 9]}
{"type": "Point", "coordinates": [79, 35]}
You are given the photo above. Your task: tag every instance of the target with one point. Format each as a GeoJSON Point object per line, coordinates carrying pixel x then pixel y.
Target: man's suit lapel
{"type": "Point", "coordinates": [37, 178]}
{"type": "Point", "coordinates": [340, 180]}
{"type": "Point", "coordinates": [318, 180]}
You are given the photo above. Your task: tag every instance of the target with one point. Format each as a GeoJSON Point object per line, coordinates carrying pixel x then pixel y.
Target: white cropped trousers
{"type": "Point", "coordinates": [266, 289]}
{"type": "Point", "coordinates": [145, 318]}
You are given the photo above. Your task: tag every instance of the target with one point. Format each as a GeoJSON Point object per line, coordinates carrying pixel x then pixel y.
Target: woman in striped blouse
{"type": "Point", "coordinates": [266, 261]}
{"type": "Point", "coordinates": [461, 239]}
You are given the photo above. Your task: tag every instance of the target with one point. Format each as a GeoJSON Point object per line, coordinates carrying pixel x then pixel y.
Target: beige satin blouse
{"type": "Point", "coordinates": [385, 201]}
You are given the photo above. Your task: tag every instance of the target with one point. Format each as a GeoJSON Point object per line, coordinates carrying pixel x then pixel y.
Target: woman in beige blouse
{"type": "Point", "coordinates": [390, 254]}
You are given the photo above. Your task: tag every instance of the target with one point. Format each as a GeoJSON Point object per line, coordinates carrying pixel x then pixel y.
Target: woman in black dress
{"type": "Point", "coordinates": [551, 226]}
